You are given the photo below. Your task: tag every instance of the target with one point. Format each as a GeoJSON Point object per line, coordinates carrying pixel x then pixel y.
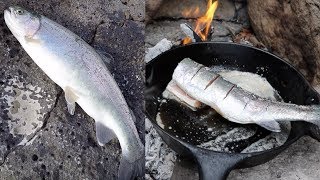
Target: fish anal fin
{"type": "Point", "coordinates": [71, 98]}
{"type": "Point", "coordinates": [103, 133]}
{"type": "Point", "coordinates": [273, 126]}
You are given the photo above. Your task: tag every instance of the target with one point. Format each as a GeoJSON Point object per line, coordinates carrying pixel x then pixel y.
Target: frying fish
{"type": "Point", "coordinates": [79, 70]}
{"type": "Point", "coordinates": [235, 103]}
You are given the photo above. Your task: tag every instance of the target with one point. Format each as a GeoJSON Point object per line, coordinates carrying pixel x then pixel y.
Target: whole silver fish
{"type": "Point", "coordinates": [236, 104]}
{"type": "Point", "coordinates": [79, 70]}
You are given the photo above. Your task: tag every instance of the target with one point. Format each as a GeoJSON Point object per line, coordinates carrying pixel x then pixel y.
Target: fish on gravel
{"type": "Point", "coordinates": [236, 104]}
{"type": "Point", "coordinates": [80, 71]}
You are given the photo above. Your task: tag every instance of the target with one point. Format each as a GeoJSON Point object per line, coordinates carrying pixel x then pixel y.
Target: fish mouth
{"type": "Point", "coordinates": [7, 15]}
{"type": "Point", "coordinates": [9, 10]}
{"type": "Point", "coordinates": [9, 19]}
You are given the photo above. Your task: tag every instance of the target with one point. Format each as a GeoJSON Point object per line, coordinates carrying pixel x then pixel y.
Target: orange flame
{"type": "Point", "coordinates": [203, 24]}
{"type": "Point", "coordinates": [186, 40]}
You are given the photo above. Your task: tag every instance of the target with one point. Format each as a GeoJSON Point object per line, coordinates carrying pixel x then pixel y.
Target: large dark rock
{"type": "Point", "coordinates": [38, 138]}
{"type": "Point", "coordinates": [291, 29]}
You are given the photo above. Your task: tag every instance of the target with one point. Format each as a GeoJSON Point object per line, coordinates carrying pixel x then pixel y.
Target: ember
{"type": "Point", "coordinates": [203, 24]}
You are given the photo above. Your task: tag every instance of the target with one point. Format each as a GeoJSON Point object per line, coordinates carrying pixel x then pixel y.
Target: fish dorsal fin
{"type": "Point", "coordinates": [71, 98]}
{"type": "Point", "coordinates": [273, 126]}
{"type": "Point", "coordinates": [103, 133]}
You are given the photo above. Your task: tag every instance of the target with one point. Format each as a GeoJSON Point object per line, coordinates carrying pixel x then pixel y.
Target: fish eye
{"type": "Point", "coordinates": [19, 11]}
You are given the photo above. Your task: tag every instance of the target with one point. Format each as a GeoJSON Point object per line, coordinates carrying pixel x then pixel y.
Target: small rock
{"type": "Point", "coordinates": [222, 39]}
{"type": "Point", "coordinates": [225, 11]}
{"type": "Point", "coordinates": [242, 16]}
{"type": "Point", "coordinates": [233, 28]}
{"type": "Point", "coordinates": [219, 29]}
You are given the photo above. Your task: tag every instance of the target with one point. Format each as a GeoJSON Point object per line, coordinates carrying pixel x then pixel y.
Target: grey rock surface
{"type": "Point", "coordinates": [38, 138]}
{"type": "Point", "coordinates": [65, 144]}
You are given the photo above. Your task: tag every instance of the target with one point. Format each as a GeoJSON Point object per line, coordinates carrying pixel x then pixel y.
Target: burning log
{"type": "Point", "coordinates": [291, 29]}
{"type": "Point", "coordinates": [160, 47]}
{"type": "Point", "coordinates": [203, 24]}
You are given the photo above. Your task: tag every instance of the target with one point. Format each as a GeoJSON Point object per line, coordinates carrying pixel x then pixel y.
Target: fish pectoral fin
{"type": "Point", "coordinates": [31, 40]}
{"type": "Point", "coordinates": [71, 98]}
{"type": "Point", "coordinates": [133, 116]}
{"type": "Point", "coordinates": [103, 133]}
{"type": "Point", "coordinates": [106, 58]}
{"type": "Point", "coordinates": [273, 126]}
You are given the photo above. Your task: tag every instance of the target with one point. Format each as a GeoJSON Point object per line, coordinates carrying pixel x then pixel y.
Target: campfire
{"type": "Point", "coordinates": [201, 31]}
{"type": "Point", "coordinates": [203, 24]}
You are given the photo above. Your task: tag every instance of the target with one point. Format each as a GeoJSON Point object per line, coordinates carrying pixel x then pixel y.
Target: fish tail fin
{"type": "Point", "coordinates": [130, 170]}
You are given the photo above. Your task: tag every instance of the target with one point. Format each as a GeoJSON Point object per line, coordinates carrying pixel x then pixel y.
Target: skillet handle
{"type": "Point", "coordinates": [214, 165]}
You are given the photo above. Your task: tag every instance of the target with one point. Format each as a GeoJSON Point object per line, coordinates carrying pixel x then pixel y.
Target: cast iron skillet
{"type": "Point", "coordinates": [283, 77]}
